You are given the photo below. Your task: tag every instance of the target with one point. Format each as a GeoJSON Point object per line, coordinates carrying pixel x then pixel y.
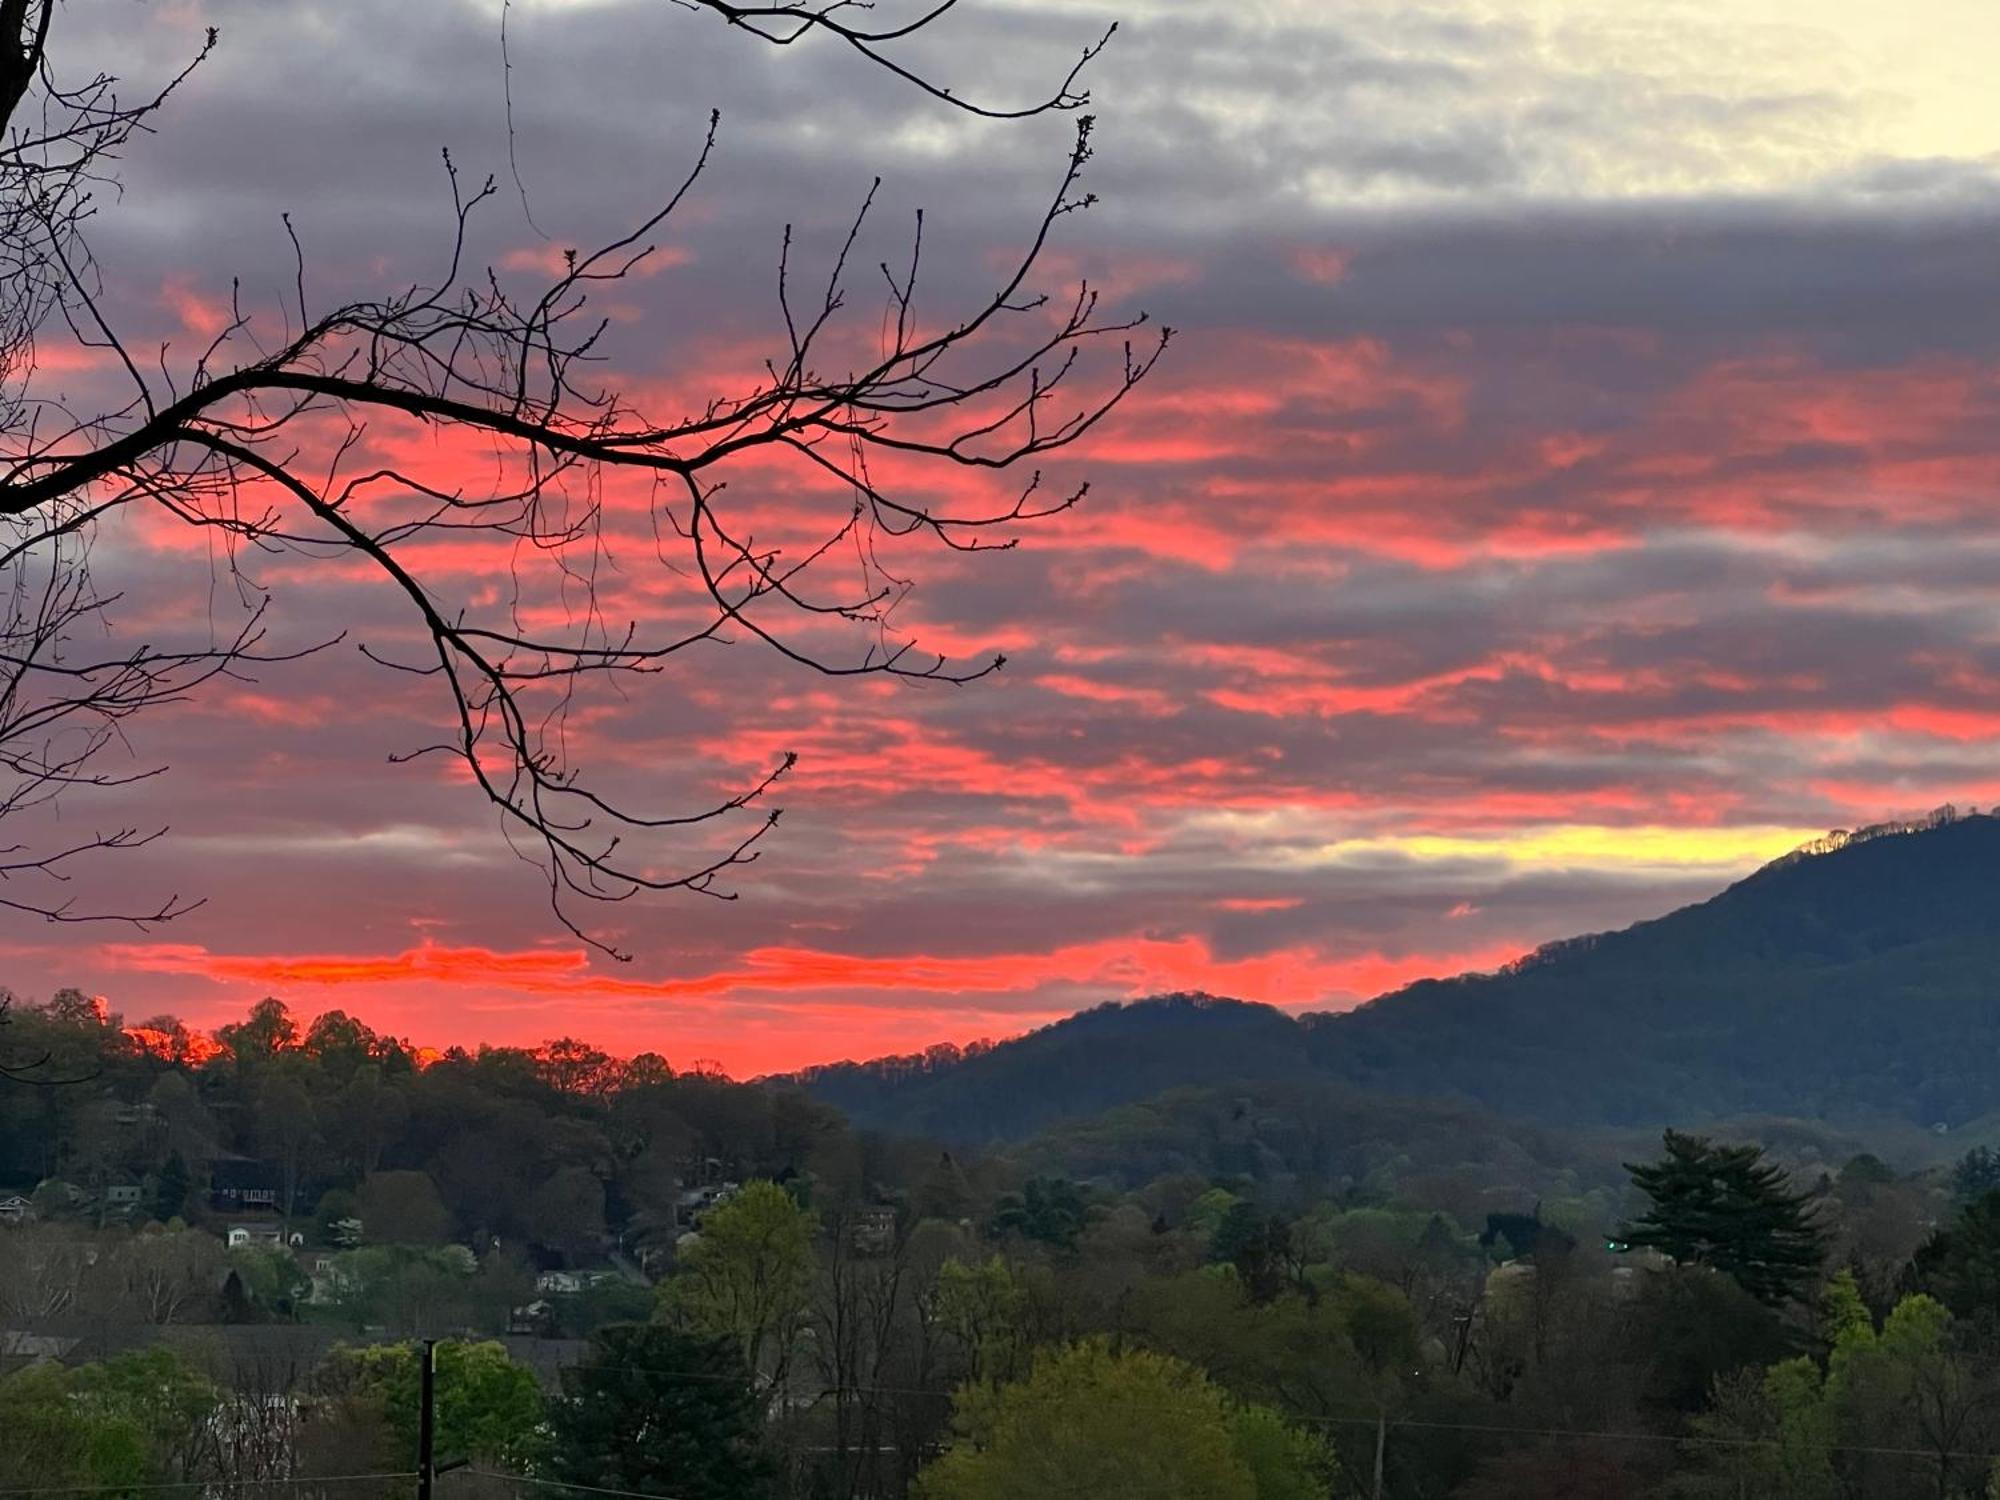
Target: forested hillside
{"type": "Point", "coordinates": [1857, 984]}
{"type": "Point", "coordinates": [219, 1255]}
{"type": "Point", "coordinates": [554, 1153]}
{"type": "Point", "coordinates": [1062, 1071]}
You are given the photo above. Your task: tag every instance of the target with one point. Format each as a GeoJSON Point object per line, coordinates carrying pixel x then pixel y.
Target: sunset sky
{"type": "Point", "coordinates": [1574, 485]}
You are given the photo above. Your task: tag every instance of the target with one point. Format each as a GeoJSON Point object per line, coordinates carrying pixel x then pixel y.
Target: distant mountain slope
{"type": "Point", "coordinates": [1861, 981]}
{"type": "Point", "coordinates": [1114, 1054]}
{"type": "Point", "coordinates": [1858, 982]}
{"type": "Point", "coordinates": [1329, 1139]}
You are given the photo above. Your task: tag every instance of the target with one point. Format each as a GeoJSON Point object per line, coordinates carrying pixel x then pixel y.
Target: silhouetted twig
{"type": "Point", "coordinates": [267, 446]}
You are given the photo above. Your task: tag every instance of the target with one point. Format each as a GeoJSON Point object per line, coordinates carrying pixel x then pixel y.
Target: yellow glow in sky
{"type": "Point", "coordinates": [1599, 98]}
{"type": "Point", "coordinates": [1567, 846]}
{"type": "Point", "coordinates": [1920, 73]}
{"type": "Point", "coordinates": [1590, 845]}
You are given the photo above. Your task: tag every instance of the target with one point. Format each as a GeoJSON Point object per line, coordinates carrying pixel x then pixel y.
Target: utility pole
{"type": "Point", "coordinates": [1381, 1442]}
{"type": "Point", "coordinates": [427, 1422]}
{"type": "Point", "coordinates": [428, 1468]}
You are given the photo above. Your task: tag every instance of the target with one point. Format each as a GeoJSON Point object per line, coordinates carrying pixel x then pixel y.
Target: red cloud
{"type": "Point", "coordinates": [931, 995]}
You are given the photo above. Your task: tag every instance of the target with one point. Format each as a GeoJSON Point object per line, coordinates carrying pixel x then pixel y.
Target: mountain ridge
{"type": "Point", "coordinates": [1854, 978]}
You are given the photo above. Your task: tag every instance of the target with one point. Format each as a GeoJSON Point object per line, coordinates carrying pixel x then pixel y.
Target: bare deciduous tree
{"type": "Point", "coordinates": [43, 1271]}
{"type": "Point", "coordinates": [268, 439]}
{"type": "Point", "coordinates": [167, 1274]}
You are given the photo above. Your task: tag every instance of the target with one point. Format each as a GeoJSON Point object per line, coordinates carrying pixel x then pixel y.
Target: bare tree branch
{"type": "Point", "coordinates": [276, 449]}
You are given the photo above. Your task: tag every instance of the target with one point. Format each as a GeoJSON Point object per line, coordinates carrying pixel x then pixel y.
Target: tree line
{"type": "Point", "coordinates": [762, 1300]}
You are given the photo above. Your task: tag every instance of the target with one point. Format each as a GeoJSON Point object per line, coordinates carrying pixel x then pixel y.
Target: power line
{"type": "Point", "coordinates": [1369, 1420]}
{"type": "Point", "coordinates": [563, 1484]}
{"type": "Point", "coordinates": [1647, 1437]}
{"type": "Point", "coordinates": [197, 1484]}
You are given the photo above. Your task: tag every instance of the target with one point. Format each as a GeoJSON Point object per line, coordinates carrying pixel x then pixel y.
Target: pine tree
{"type": "Point", "coordinates": [1727, 1208]}
{"type": "Point", "coordinates": [1960, 1264]}
{"type": "Point", "coordinates": [660, 1412]}
{"type": "Point", "coordinates": [170, 1190]}
{"type": "Point", "coordinates": [1974, 1175]}
{"type": "Point", "coordinates": [1258, 1245]}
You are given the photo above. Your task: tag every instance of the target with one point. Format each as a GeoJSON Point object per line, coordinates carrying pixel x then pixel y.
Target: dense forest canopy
{"type": "Point", "coordinates": [217, 1255]}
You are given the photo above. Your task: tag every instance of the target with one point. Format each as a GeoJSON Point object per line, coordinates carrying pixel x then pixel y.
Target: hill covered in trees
{"type": "Point", "coordinates": [218, 1255]}
{"type": "Point", "coordinates": [1856, 981]}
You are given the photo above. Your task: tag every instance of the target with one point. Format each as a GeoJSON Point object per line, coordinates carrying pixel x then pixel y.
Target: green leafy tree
{"type": "Point", "coordinates": [1285, 1462]}
{"type": "Point", "coordinates": [366, 1113]}
{"type": "Point", "coordinates": [747, 1277]}
{"type": "Point", "coordinates": [54, 1440]}
{"type": "Point", "coordinates": [1346, 1348]}
{"type": "Point", "coordinates": [1206, 1213]}
{"type": "Point", "coordinates": [656, 1410]}
{"type": "Point", "coordinates": [489, 1405]}
{"type": "Point", "coordinates": [978, 1307]}
{"type": "Point", "coordinates": [268, 1030]}
{"type": "Point", "coordinates": [1119, 1426]}
{"type": "Point", "coordinates": [1689, 1327]}
{"type": "Point", "coordinates": [339, 1044]}
{"type": "Point", "coordinates": [159, 1394]}
{"type": "Point", "coordinates": [573, 1067]}
{"type": "Point", "coordinates": [143, 1417]}
{"type": "Point", "coordinates": [1725, 1207]}
{"type": "Point", "coordinates": [614, 1300]}
{"type": "Point", "coordinates": [269, 1283]}
{"type": "Point", "coordinates": [1258, 1246]}
{"type": "Point", "coordinates": [1895, 1413]}
{"type": "Point", "coordinates": [1048, 1209]}
{"type": "Point", "coordinates": [411, 1289]}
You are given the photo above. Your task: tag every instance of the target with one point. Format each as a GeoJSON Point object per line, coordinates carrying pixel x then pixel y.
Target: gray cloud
{"type": "Point", "coordinates": [1573, 496]}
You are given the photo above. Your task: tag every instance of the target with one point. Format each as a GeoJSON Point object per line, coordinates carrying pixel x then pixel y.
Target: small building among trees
{"type": "Point", "coordinates": [240, 1184]}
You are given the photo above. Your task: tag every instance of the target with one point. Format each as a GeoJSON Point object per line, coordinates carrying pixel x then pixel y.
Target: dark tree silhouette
{"type": "Point", "coordinates": [1974, 1175]}
{"type": "Point", "coordinates": [1259, 1246]}
{"type": "Point", "coordinates": [31, 1065]}
{"type": "Point", "coordinates": [1725, 1207]}
{"type": "Point", "coordinates": [265, 439]}
{"type": "Point", "coordinates": [1048, 1209]}
{"type": "Point", "coordinates": [660, 1412]}
{"type": "Point", "coordinates": [1960, 1263]}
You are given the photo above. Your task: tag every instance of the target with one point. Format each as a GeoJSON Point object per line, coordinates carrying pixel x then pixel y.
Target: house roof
{"type": "Point", "coordinates": [16, 1344]}
{"type": "Point", "coordinates": [228, 1175]}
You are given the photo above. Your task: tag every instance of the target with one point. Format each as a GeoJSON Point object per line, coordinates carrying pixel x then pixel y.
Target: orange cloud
{"type": "Point", "coordinates": [810, 986]}
{"type": "Point", "coordinates": [200, 315]}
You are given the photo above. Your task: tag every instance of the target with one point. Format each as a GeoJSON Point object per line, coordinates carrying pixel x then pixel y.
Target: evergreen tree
{"type": "Point", "coordinates": [1725, 1207]}
{"type": "Point", "coordinates": [170, 1190]}
{"type": "Point", "coordinates": [1960, 1264]}
{"type": "Point", "coordinates": [1258, 1245]}
{"type": "Point", "coordinates": [660, 1412]}
{"type": "Point", "coordinates": [1049, 1209]}
{"type": "Point", "coordinates": [1974, 1175]}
